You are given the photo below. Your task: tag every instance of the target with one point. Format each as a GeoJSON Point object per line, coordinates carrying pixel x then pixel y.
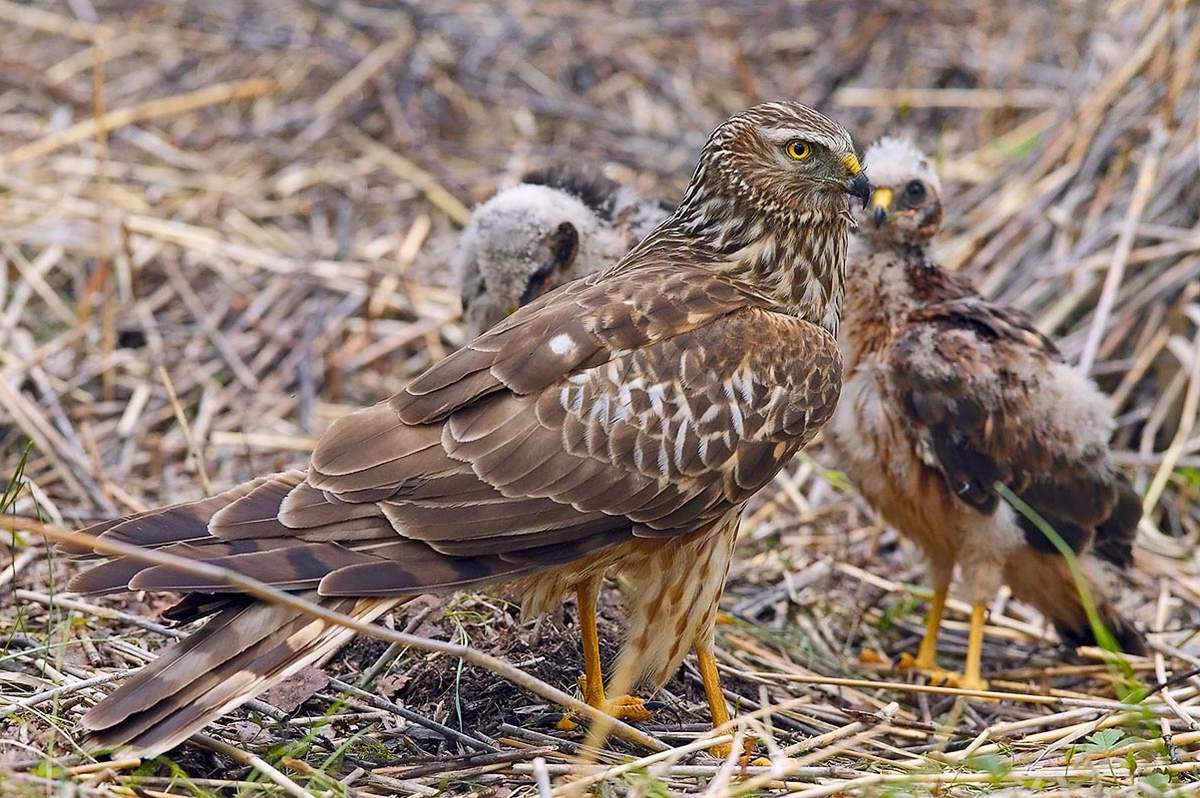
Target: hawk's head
{"type": "Point", "coordinates": [769, 204]}
{"type": "Point", "coordinates": [906, 205]}
{"type": "Point", "coordinates": [784, 160]}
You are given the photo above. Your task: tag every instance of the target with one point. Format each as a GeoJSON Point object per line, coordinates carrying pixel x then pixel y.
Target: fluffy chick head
{"type": "Point", "coordinates": [554, 227]}
{"type": "Point", "coordinates": [906, 201]}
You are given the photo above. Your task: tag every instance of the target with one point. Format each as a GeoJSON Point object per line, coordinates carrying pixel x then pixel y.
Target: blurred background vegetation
{"type": "Point", "coordinates": [223, 224]}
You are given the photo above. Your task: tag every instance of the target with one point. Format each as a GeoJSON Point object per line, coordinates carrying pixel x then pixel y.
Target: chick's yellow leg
{"type": "Point", "coordinates": [926, 660]}
{"type": "Point", "coordinates": [971, 678]}
{"type": "Point", "coordinates": [625, 707]}
{"type": "Point", "coordinates": [927, 653]}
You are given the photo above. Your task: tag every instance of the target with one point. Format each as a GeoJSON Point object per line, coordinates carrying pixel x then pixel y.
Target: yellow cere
{"type": "Point", "coordinates": [851, 162]}
{"type": "Point", "coordinates": [882, 198]}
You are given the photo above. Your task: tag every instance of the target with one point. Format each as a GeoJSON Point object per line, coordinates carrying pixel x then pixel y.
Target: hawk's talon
{"type": "Point", "coordinates": [747, 757]}
{"type": "Point", "coordinates": [871, 658]}
{"type": "Point", "coordinates": [938, 677]}
{"type": "Point", "coordinates": [720, 751]}
{"type": "Point", "coordinates": [918, 663]}
{"type": "Point", "coordinates": [629, 708]}
{"type": "Point", "coordinates": [625, 707]}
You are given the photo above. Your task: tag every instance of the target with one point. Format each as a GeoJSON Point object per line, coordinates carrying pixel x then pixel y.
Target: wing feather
{"type": "Point", "coordinates": [991, 401]}
{"type": "Point", "coordinates": [622, 408]}
{"type": "Point", "coordinates": [296, 567]}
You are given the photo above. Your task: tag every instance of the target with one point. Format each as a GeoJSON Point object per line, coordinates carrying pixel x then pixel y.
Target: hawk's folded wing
{"type": "Point", "coordinates": [647, 405]}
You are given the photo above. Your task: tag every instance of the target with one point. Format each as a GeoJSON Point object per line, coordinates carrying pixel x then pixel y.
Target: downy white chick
{"type": "Point", "coordinates": [558, 224]}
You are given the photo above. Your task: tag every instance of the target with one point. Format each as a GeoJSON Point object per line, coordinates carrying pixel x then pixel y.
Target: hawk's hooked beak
{"type": "Point", "coordinates": [881, 203]}
{"type": "Point", "coordinates": [857, 185]}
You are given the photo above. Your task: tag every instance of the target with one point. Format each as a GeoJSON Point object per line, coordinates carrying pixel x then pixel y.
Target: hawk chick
{"type": "Point", "coordinates": [946, 394]}
{"type": "Point", "coordinates": [556, 225]}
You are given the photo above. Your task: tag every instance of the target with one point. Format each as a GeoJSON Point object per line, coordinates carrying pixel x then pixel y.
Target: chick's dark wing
{"type": "Point", "coordinates": [989, 400]}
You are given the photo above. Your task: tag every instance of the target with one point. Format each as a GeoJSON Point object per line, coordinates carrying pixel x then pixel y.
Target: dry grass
{"type": "Point", "coordinates": [222, 226]}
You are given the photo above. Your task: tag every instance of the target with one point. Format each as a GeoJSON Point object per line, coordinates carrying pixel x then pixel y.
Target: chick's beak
{"type": "Point", "coordinates": [857, 185]}
{"type": "Point", "coordinates": [881, 203]}
{"type": "Point", "coordinates": [535, 287]}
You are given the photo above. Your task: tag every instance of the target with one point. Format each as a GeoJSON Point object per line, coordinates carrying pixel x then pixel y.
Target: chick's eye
{"type": "Point", "coordinates": [798, 150]}
{"type": "Point", "coordinates": [915, 191]}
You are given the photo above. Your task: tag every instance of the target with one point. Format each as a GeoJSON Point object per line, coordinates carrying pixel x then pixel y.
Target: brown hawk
{"type": "Point", "coordinates": [556, 225]}
{"type": "Point", "coordinates": [947, 394]}
{"type": "Point", "coordinates": [618, 424]}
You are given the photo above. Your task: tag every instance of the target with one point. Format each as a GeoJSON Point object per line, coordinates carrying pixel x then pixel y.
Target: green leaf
{"type": "Point", "coordinates": [992, 764]}
{"type": "Point", "coordinates": [1107, 740]}
{"type": "Point", "coordinates": [835, 478]}
{"type": "Point", "coordinates": [1154, 784]}
{"type": "Point", "coordinates": [1191, 476]}
{"type": "Point", "coordinates": [48, 770]}
{"type": "Point", "coordinates": [1017, 150]}
{"type": "Point", "coordinates": [901, 608]}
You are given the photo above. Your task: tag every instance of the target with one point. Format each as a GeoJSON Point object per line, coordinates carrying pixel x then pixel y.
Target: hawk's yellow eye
{"type": "Point", "coordinates": [798, 150]}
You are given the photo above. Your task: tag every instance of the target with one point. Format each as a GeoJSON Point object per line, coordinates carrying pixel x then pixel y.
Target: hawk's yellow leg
{"type": "Point", "coordinates": [626, 707]}
{"type": "Point", "coordinates": [712, 691]}
{"type": "Point", "coordinates": [711, 677]}
{"type": "Point", "coordinates": [926, 659]}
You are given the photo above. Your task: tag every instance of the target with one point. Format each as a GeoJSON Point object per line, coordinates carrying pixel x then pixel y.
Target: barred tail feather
{"type": "Point", "coordinates": [243, 650]}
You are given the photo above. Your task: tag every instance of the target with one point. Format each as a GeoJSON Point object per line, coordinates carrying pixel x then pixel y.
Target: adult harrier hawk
{"type": "Point", "coordinates": [556, 225]}
{"type": "Point", "coordinates": [947, 394]}
{"type": "Point", "coordinates": [619, 423]}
